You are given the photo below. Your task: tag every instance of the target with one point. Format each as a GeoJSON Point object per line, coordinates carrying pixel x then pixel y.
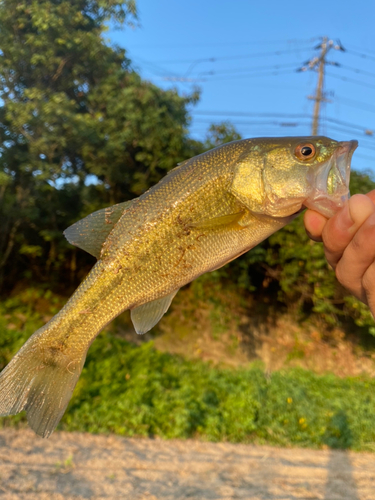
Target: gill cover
{"type": "Point", "coordinates": [267, 184]}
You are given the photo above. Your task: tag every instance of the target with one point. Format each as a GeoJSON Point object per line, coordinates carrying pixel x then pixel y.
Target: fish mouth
{"type": "Point", "coordinates": [330, 181]}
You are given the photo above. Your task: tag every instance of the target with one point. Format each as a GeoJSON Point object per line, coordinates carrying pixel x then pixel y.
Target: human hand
{"type": "Point", "coordinates": [349, 244]}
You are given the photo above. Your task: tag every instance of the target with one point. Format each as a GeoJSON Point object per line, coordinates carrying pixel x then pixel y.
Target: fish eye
{"type": "Point", "coordinates": [305, 151]}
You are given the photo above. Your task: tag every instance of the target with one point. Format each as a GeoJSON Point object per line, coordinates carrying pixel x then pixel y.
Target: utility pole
{"type": "Point", "coordinates": [319, 63]}
{"type": "Point", "coordinates": [319, 89]}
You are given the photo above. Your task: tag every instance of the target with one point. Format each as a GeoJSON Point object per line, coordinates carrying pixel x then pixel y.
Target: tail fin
{"type": "Point", "coordinates": [40, 380]}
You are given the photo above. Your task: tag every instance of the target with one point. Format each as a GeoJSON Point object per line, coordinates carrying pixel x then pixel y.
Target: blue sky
{"type": "Point", "coordinates": [243, 56]}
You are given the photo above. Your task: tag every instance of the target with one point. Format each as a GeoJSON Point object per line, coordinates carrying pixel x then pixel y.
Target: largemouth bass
{"type": "Point", "coordinates": [203, 214]}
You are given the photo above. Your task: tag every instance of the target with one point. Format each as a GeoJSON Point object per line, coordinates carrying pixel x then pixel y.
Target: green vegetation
{"type": "Point", "coordinates": [80, 130]}
{"type": "Point", "coordinates": [139, 391]}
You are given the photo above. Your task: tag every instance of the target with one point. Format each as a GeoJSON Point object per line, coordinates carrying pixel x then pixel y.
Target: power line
{"type": "Point", "coordinates": [365, 130]}
{"type": "Point", "coordinates": [231, 77]}
{"type": "Point", "coordinates": [355, 70]}
{"type": "Point", "coordinates": [362, 143]}
{"type": "Point", "coordinates": [350, 80]}
{"type": "Point", "coordinates": [362, 50]}
{"type": "Point", "coordinates": [365, 157]}
{"type": "Point", "coordinates": [250, 114]}
{"type": "Point", "coordinates": [156, 67]}
{"type": "Point", "coordinates": [366, 146]}
{"type": "Point", "coordinates": [241, 70]}
{"type": "Point", "coordinates": [231, 58]}
{"type": "Point", "coordinates": [342, 128]}
{"type": "Point", "coordinates": [356, 104]}
{"type": "Point", "coordinates": [220, 44]}
{"type": "Point", "coordinates": [250, 75]}
{"type": "Point", "coordinates": [361, 54]}
{"type": "Point", "coordinates": [211, 75]}
{"type": "Point", "coordinates": [285, 124]}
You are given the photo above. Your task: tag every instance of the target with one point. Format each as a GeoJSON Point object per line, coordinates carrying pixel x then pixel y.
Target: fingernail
{"type": "Point", "coordinates": [344, 220]}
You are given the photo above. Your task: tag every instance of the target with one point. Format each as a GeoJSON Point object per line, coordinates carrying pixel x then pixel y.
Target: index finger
{"type": "Point", "coordinates": [340, 229]}
{"type": "Point", "coordinates": [314, 224]}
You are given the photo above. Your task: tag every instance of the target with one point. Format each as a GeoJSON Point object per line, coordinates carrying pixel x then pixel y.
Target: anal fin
{"type": "Point", "coordinates": [147, 315]}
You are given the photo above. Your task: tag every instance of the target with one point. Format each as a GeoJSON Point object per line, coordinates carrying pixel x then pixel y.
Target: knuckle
{"type": "Point", "coordinates": [330, 245]}
{"type": "Point", "coordinates": [334, 247]}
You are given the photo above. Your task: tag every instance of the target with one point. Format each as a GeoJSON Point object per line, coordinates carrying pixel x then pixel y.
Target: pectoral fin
{"type": "Point", "coordinates": [224, 220]}
{"type": "Point", "coordinates": [147, 315]}
{"type": "Point", "coordinates": [90, 233]}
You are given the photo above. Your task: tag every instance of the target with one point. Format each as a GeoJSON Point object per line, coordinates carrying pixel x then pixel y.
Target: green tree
{"type": "Point", "coordinates": [141, 133]}
{"type": "Point", "coordinates": [73, 106]}
{"type": "Point", "coordinates": [52, 55]}
{"type": "Point", "coordinates": [221, 133]}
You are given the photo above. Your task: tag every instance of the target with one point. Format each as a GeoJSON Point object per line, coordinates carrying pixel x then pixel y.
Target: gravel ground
{"type": "Point", "coordinates": [82, 466]}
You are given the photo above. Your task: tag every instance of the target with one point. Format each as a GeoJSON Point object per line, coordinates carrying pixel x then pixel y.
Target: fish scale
{"type": "Point", "coordinates": [150, 254]}
{"type": "Point", "coordinates": [203, 214]}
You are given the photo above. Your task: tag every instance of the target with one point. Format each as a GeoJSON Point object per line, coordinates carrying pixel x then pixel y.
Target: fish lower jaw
{"type": "Point", "coordinates": [327, 204]}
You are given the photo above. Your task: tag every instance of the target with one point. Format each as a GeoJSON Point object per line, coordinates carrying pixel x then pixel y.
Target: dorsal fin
{"type": "Point", "coordinates": [90, 233]}
{"type": "Point", "coordinates": [146, 316]}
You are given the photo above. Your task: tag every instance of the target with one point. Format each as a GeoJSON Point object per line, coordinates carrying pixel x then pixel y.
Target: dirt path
{"type": "Point", "coordinates": [82, 466]}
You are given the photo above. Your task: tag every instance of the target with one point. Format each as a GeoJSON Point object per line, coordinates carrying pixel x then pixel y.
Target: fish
{"type": "Point", "coordinates": [204, 213]}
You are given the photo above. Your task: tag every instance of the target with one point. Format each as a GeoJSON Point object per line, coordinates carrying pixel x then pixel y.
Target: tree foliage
{"type": "Point", "coordinates": [73, 110]}
{"type": "Point", "coordinates": [81, 130]}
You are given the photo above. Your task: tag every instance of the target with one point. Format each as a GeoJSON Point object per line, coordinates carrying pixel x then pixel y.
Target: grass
{"type": "Point", "coordinates": [138, 391]}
